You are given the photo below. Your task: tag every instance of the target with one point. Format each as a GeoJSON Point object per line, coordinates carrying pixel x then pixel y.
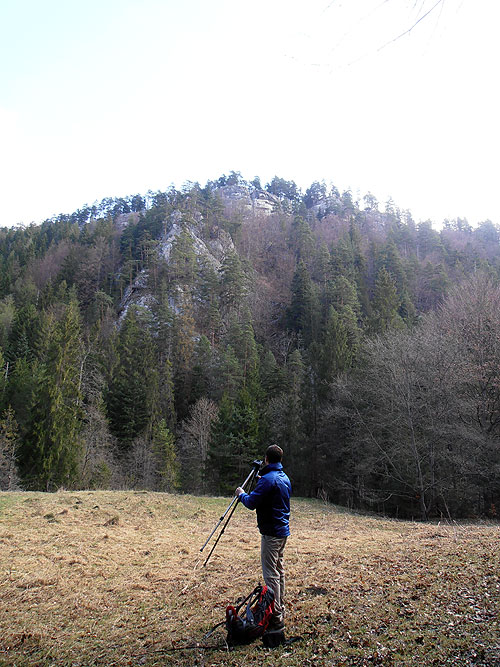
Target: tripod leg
{"type": "Point", "coordinates": [219, 536]}
{"type": "Point", "coordinates": [250, 478]}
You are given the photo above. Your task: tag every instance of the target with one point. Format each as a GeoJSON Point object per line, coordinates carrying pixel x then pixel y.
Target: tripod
{"type": "Point", "coordinates": [230, 508]}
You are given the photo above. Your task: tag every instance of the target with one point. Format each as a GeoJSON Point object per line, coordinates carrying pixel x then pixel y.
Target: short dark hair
{"type": "Point", "coordinates": [274, 454]}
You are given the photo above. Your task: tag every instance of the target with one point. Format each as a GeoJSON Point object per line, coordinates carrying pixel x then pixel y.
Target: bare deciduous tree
{"type": "Point", "coordinates": [193, 444]}
{"type": "Point", "coordinates": [423, 412]}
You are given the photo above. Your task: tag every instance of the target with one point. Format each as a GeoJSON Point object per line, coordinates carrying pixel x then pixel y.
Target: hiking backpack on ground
{"type": "Point", "coordinates": [253, 623]}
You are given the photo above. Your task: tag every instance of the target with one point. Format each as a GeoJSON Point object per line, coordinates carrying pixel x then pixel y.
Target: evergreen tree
{"type": "Point", "coordinates": [230, 375]}
{"type": "Point", "coordinates": [336, 354]}
{"type": "Point", "coordinates": [51, 450]}
{"type": "Point", "coordinates": [342, 260]}
{"type": "Point", "coordinates": [23, 379]}
{"type": "Point", "coordinates": [3, 378]}
{"type": "Point", "coordinates": [183, 357]}
{"type": "Point", "coordinates": [321, 271]}
{"type": "Point", "coordinates": [233, 284]}
{"type": "Point", "coordinates": [167, 466]}
{"type": "Point", "coordinates": [209, 303]}
{"type": "Point", "coordinates": [163, 400]}
{"type": "Point", "coordinates": [287, 417]}
{"type": "Point", "coordinates": [245, 441]}
{"type": "Point", "coordinates": [220, 447]}
{"type": "Point", "coordinates": [301, 239]}
{"type": "Point", "coordinates": [23, 337]}
{"type": "Point", "coordinates": [203, 369]}
{"type": "Point", "coordinates": [128, 399]}
{"type": "Point", "coordinates": [272, 377]}
{"type": "Point", "coordinates": [9, 432]}
{"type": "Point", "coordinates": [163, 323]}
{"type": "Point", "coordinates": [234, 441]}
{"type": "Point", "coordinates": [182, 263]}
{"type": "Point", "coordinates": [385, 305]}
{"type": "Point", "coordinates": [303, 311]}
{"type": "Point", "coordinates": [7, 315]}
{"type": "Point", "coordinates": [241, 337]}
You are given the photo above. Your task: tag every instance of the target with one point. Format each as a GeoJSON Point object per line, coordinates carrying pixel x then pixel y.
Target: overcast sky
{"type": "Point", "coordinates": [116, 97]}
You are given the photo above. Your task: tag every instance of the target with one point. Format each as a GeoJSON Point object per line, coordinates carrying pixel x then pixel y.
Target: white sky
{"type": "Point", "coordinates": [115, 97]}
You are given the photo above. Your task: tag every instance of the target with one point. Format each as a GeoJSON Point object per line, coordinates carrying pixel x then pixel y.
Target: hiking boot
{"type": "Point", "coordinates": [275, 625]}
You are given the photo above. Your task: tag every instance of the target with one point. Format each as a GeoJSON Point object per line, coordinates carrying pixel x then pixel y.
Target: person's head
{"type": "Point", "coordinates": [274, 454]}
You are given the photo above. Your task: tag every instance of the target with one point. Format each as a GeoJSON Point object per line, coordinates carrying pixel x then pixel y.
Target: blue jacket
{"type": "Point", "coordinates": [271, 499]}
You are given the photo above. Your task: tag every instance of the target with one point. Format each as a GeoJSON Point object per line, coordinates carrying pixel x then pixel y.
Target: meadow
{"type": "Point", "coordinates": [117, 578]}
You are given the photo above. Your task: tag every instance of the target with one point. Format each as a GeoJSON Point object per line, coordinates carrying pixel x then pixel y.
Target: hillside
{"type": "Point", "coordinates": [105, 578]}
{"type": "Point", "coordinates": [161, 342]}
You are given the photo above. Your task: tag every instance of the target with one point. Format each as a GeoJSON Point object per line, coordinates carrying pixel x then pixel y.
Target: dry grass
{"type": "Point", "coordinates": [116, 578]}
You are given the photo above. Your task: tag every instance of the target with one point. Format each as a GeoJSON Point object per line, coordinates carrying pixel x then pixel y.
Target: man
{"type": "Point", "coordinates": [271, 499]}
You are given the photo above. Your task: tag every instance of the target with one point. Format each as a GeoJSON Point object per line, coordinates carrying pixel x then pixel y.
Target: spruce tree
{"type": "Point", "coordinates": [385, 304]}
{"type": "Point", "coordinates": [167, 464]}
{"type": "Point", "coordinates": [9, 434]}
{"type": "Point", "coordinates": [3, 379]}
{"type": "Point", "coordinates": [229, 376]}
{"type": "Point", "coordinates": [220, 447]}
{"type": "Point", "coordinates": [203, 369]}
{"type": "Point", "coordinates": [335, 354]}
{"type": "Point", "coordinates": [183, 355]}
{"type": "Point", "coordinates": [51, 450]}
{"type": "Point", "coordinates": [128, 398]}
{"type": "Point", "coordinates": [303, 311]}
{"type": "Point", "coordinates": [233, 283]}
{"type": "Point", "coordinates": [292, 437]}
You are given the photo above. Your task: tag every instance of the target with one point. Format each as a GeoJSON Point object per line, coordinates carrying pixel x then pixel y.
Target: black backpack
{"type": "Point", "coordinates": [253, 623]}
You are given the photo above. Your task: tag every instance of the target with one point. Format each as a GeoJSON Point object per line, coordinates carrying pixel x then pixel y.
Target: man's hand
{"type": "Point", "coordinates": [239, 491]}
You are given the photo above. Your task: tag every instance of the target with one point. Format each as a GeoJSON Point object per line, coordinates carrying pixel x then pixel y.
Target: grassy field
{"type": "Point", "coordinates": [116, 578]}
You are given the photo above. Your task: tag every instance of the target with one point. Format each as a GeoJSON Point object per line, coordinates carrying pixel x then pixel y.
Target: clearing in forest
{"type": "Point", "coordinates": [116, 578]}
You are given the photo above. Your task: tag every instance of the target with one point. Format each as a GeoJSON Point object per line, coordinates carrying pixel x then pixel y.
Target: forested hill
{"type": "Point", "coordinates": [162, 342]}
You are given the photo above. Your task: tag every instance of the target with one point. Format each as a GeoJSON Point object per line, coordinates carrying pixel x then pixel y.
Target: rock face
{"type": "Point", "coordinates": [211, 250]}
{"type": "Point", "coordinates": [250, 199]}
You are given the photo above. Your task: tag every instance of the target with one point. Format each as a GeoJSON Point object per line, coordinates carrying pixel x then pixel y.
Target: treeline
{"type": "Point", "coordinates": [163, 341]}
